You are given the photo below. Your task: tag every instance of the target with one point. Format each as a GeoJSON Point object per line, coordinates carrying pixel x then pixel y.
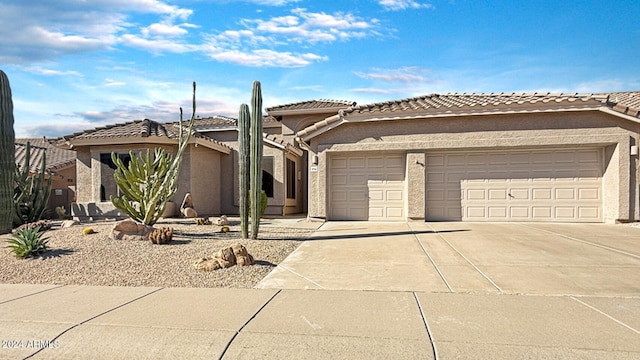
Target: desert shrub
{"type": "Point", "coordinates": [28, 242]}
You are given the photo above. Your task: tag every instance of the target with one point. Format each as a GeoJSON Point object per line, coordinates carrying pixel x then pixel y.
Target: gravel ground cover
{"type": "Point", "coordinates": [77, 259]}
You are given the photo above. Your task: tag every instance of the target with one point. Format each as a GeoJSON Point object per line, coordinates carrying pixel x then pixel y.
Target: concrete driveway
{"type": "Point", "coordinates": [457, 257]}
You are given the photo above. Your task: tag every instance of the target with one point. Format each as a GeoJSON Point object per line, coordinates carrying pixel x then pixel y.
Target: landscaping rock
{"type": "Point", "coordinates": [243, 258]}
{"type": "Point", "coordinates": [130, 230]}
{"type": "Point", "coordinates": [187, 208]}
{"type": "Point", "coordinates": [226, 257]}
{"type": "Point", "coordinates": [189, 212]}
{"type": "Point", "coordinates": [69, 223]}
{"type": "Point", "coordinates": [222, 220]}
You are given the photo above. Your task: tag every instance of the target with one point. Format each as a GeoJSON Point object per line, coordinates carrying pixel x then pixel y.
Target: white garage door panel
{"type": "Point", "coordinates": [561, 185]}
{"type": "Point", "coordinates": [367, 187]}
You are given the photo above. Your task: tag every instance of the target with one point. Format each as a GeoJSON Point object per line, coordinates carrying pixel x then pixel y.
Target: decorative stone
{"type": "Point", "coordinates": [226, 257]}
{"type": "Point", "coordinates": [222, 220]}
{"type": "Point", "coordinates": [187, 202]}
{"type": "Point", "coordinates": [130, 230]}
{"type": "Point", "coordinates": [69, 223]}
{"type": "Point", "coordinates": [243, 258]}
{"type": "Point", "coordinates": [189, 212]}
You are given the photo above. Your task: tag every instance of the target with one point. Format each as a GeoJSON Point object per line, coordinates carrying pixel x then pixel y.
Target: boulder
{"type": "Point", "coordinates": [130, 230]}
{"type": "Point", "coordinates": [222, 220]}
{"type": "Point", "coordinates": [224, 258]}
{"type": "Point", "coordinates": [189, 212]}
{"type": "Point", "coordinates": [243, 258]}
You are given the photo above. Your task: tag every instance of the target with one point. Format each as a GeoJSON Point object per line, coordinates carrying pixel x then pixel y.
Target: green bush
{"type": "Point", "coordinates": [28, 242]}
{"type": "Point", "coordinates": [263, 203]}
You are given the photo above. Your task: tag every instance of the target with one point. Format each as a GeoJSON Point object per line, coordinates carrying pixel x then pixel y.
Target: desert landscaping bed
{"type": "Point", "coordinates": [95, 259]}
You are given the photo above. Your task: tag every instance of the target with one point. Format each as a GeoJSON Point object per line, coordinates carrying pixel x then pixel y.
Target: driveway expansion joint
{"type": "Point", "coordinates": [426, 325]}
{"type": "Point", "coordinates": [605, 314]}
{"type": "Point", "coordinates": [224, 351]}
{"type": "Point", "coordinates": [35, 293]}
{"type": "Point", "coordinates": [435, 266]}
{"type": "Point", "coordinates": [466, 259]}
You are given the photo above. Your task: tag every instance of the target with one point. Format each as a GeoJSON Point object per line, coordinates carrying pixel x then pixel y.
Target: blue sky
{"type": "Point", "coordinates": [75, 64]}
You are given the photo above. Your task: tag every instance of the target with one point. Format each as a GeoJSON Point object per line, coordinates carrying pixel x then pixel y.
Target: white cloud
{"type": "Point", "coordinates": [265, 58]}
{"type": "Point", "coordinates": [156, 46]}
{"type": "Point", "coordinates": [277, 35]}
{"type": "Point", "coordinates": [309, 27]}
{"type": "Point", "coordinates": [47, 30]}
{"type": "Point", "coordinates": [49, 72]}
{"type": "Point", "coordinates": [396, 5]}
{"type": "Point", "coordinates": [112, 82]}
{"type": "Point", "coordinates": [407, 74]}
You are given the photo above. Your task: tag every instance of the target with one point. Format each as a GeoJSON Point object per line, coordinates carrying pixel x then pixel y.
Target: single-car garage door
{"type": "Point", "coordinates": [366, 187]}
{"type": "Point", "coordinates": [536, 185]}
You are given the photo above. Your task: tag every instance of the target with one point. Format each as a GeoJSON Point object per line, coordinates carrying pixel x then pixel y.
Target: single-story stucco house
{"type": "Point", "coordinates": [455, 157]}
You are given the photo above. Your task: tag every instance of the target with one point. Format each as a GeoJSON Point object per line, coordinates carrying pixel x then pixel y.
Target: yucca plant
{"type": "Point", "coordinates": [28, 242]}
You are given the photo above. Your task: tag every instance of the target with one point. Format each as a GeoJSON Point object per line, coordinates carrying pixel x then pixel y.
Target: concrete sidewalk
{"type": "Point", "coordinates": [81, 322]}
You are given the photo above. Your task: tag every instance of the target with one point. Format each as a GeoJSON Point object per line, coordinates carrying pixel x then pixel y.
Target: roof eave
{"type": "Point", "coordinates": [312, 111]}
{"type": "Point", "coordinates": [72, 143]}
{"type": "Point", "coordinates": [309, 132]}
{"type": "Point", "coordinates": [214, 145]}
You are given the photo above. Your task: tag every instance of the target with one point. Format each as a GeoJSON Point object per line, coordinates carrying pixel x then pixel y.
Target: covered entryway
{"type": "Point", "coordinates": [563, 185]}
{"type": "Point", "coordinates": [366, 187]}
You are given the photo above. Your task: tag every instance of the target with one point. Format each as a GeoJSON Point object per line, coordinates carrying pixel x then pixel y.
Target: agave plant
{"type": "Point", "coordinates": [28, 242]}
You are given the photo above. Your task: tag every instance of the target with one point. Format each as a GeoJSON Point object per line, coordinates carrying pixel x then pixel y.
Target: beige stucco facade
{"type": "Point", "coordinates": [199, 174]}
{"type": "Point", "coordinates": [417, 137]}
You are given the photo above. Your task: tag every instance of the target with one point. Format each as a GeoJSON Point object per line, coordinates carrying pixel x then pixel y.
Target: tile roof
{"type": "Point", "coordinates": [313, 105]}
{"type": "Point", "coordinates": [137, 128]}
{"type": "Point", "coordinates": [624, 102]}
{"type": "Point", "coordinates": [56, 157]}
{"type": "Point", "coordinates": [627, 103]}
{"type": "Point", "coordinates": [212, 122]}
{"type": "Point", "coordinates": [435, 102]}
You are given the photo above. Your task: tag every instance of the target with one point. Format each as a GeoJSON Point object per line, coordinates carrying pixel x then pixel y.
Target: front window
{"type": "Point", "coordinates": [108, 186]}
{"type": "Point", "coordinates": [267, 175]}
{"type": "Point", "coordinates": [291, 179]}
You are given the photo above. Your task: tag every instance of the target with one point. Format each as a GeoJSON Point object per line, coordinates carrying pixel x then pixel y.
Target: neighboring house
{"type": "Point", "coordinates": [60, 166]}
{"type": "Point", "coordinates": [469, 157]}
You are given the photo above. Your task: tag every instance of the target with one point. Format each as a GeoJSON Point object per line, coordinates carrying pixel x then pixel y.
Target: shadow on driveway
{"type": "Point", "coordinates": [379, 234]}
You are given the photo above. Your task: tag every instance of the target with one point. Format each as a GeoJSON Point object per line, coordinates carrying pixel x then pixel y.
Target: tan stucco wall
{"type": "Point", "coordinates": [199, 173]}
{"type": "Point", "coordinates": [553, 130]}
{"type": "Point", "coordinates": [201, 176]}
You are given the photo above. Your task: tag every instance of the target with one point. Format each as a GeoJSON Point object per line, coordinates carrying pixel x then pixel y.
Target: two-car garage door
{"type": "Point", "coordinates": [563, 185]}
{"type": "Point", "coordinates": [551, 185]}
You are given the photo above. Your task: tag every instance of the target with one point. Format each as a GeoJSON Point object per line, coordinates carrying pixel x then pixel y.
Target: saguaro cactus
{"type": "Point", "coordinates": [7, 155]}
{"type": "Point", "coordinates": [256, 158]}
{"type": "Point", "coordinates": [243, 142]}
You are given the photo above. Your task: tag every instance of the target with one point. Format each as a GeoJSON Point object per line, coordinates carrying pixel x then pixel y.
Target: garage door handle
{"type": "Point", "coordinates": [510, 196]}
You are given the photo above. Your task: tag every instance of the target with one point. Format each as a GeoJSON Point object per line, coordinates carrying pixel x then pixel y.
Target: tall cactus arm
{"type": "Point", "coordinates": [256, 158]}
{"type": "Point", "coordinates": [244, 122]}
{"type": "Point", "coordinates": [7, 156]}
